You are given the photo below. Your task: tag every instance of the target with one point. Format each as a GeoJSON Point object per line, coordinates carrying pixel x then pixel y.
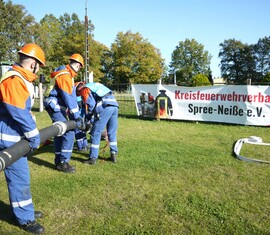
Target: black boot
{"type": "Point", "coordinates": [65, 167]}
{"type": "Point", "coordinates": [91, 161]}
{"type": "Point", "coordinates": [38, 214]}
{"type": "Point", "coordinates": [33, 227]}
{"type": "Point", "coordinates": [112, 158]}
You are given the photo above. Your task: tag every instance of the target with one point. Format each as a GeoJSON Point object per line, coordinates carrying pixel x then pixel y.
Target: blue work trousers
{"type": "Point", "coordinates": [81, 139]}
{"type": "Point", "coordinates": [63, 145]}
{"type": "Point", "coordinates": [18, 183]}
{"type": "Point", "coordinates": [108, 118]}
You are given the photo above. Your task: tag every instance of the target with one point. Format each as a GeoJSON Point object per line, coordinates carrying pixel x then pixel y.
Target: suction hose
{"type": "Point", "coordinates": [21, 148]}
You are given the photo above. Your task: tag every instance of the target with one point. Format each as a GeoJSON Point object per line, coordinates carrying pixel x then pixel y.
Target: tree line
{"type": "Point", "coordinates": [130, 58]}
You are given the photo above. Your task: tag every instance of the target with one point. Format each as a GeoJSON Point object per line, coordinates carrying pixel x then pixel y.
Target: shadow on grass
{"type": "Point", "coordinates": [128, 116]}
{"type": "Point", "coordinates": [80, 159]}
{"type": "Point", "coordinates": [35, 109]}
{"type": "Point", "coordinates": [6, 215]}
{"type": "Point", "coordinates": [41, 162]}
{"type": "Point", "coordinates": [85, 157]}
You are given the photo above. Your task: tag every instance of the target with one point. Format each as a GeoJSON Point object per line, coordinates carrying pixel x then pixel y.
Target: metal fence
{"type": "Point", "coordinates": [127, 106]}
{"type": "Point", "coordinates": [122, 92]}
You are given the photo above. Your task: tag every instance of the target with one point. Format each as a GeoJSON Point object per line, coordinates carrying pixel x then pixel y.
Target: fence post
{"type": "Point", "coordinates": [40, 90]}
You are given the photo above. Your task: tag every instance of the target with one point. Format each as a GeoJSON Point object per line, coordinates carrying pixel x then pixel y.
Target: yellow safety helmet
{"type": "Point", "coordinates": [34, 51]}
{"type": "Point", "coordinates": [77, 57]}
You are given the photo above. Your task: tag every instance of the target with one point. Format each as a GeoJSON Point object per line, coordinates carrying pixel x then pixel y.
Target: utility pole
{"type": "Point", "coordinates": [174, 76]}
{"type": "Point", "coordinates": [86, 76]}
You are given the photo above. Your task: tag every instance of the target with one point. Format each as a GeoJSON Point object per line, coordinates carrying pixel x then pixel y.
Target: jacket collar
{"type": "Point", "coordinates": [29, 76]}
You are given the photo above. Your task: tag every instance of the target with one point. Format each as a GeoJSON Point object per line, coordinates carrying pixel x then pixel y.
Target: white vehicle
{"type": "Point", "coordinates": [4, 67]}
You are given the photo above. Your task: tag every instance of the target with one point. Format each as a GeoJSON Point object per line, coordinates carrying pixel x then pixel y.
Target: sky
{"type": "Point", "coordinates": [165, 23]}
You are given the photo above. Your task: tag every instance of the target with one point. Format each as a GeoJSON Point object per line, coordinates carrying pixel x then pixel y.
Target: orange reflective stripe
{"type": "Point", "coordinates": [14, 92]}
{"type": "Point", "coordinates": [65, 82]}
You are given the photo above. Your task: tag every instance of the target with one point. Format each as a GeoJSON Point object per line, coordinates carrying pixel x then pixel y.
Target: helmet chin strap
{"type": "Point", "coordinates": [71, 65]}
{"type": "Point", "coordinates": [35, 67]}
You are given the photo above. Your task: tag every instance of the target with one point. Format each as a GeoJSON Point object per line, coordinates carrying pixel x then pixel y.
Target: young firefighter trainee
{"type": "Point", "coordinates": [61, 104]}
{"type": "Point", "coordinates": [102, 104]}
{"type": "Point", "coordinates": [80, 135]}
{"type": "Point", "coordinates": [17, 122]}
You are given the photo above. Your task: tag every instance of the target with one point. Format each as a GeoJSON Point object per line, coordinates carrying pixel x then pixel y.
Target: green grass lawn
{"type": "Point", "coordinates": [172, 177]}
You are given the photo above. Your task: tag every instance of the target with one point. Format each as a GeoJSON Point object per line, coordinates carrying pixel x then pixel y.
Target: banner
{"type": "Point", "coordinates": [246, 105]}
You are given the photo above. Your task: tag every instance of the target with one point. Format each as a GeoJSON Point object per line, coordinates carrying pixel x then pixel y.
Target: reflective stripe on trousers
{"type": "Point", "coordinates": [18, 182]}
{"type": "Point", "coordinates": [63, 145]}
{"type": "Point", "coordinates": [108, 119]}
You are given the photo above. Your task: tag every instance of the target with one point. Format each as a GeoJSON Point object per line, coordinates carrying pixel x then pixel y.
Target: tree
{"type": "Point", "coordinates": [237, 61]}
{"type": "Point", "coordinates": [135, 60]}
{"type": "Point", "coordinates": [98, 58]}
{"type": "Point", "coordinates": [262, 54]}
{"type": "Point", "coordinates": [65, 36]}
{"type": "Point", "coordinates": [200, 80]}
{"type": "Point", "coordinates": [17, 28]}
{"type": "Point", "coordinates": [266, 78]}
{"type": "Point", "coordinates": [72, 38]}
{"type": "Point", "coordinates": [49, 35]}
{"type": "Point", "coordinates": [189, 59]}
{"type": "Point", "coordinates": [61, 38]}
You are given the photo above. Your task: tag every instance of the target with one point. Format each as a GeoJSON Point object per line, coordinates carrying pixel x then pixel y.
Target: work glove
{"type": "Point", "coordinates": [33, 145]}
{"type": "Point", "coordinates": [30, 153]}
{"type": "Point", "coordinates": [89, 117]}
{"type": "Point", "coordinates": [80, 124]}
{"type": "Point", "coordinates": [34, 142]}
{"type": "Point", "coordinates": [88, 126]}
